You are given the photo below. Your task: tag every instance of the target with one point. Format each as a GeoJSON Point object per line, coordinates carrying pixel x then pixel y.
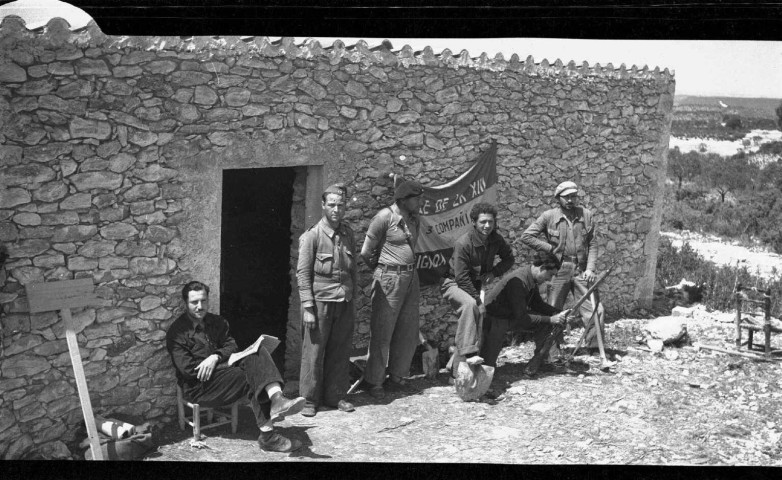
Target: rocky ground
{"type": "Point", "coordinates": [757, 258]}
{"type": "Point", "coordinates": [677, 407]}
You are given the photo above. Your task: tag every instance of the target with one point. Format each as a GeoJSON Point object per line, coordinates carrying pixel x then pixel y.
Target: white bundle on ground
{"type": "Point", "coordinates": [472, 381]}
{"type": "Point", "coordinates": [665, 331]}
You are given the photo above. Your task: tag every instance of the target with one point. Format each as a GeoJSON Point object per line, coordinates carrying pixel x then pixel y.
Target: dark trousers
{"type": "Point", "coordinates": [325, 354]}
{"type": "Point", "coordinates": [505, 314]}
{"type": "Point", "coordinates": [245, 379]}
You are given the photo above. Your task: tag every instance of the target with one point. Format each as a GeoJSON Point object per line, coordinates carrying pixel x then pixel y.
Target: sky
{"type": "Point", "coordinates": [704, 67]}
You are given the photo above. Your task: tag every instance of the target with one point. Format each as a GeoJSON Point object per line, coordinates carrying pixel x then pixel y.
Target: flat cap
{"type": "Point", "coordinates": [565, 188]}
{"type": "Point", "coordinates": [337, 188]}
{"type": "Point", "coordinates": [408, 188]}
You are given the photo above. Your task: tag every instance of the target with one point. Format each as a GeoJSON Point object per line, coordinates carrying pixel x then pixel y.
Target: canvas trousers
{"type": "Point", "coordinates": [568, 280]}
{"type": "Point", "coordinates": [246, 379]}
{"type": "Point", "coordinates": [325, 354]}
{"type": "Point", "coordinates": [469, 327]}
{"type": "Point", "coordinates": [393, 325]}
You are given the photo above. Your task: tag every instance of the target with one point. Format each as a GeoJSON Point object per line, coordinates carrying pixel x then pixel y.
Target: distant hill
{"type": "Point", "coordinates": [755, 107]}
{"type": "Point", "coordinates": [727, 118]}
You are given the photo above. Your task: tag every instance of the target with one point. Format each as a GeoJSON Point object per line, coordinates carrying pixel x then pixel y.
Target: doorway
{"type": "Point", "coordinates": [255, 282]}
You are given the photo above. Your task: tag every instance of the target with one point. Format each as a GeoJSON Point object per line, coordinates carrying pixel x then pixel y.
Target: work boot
{"type": "Point", "coordinates": [342, 406]}
{"type": "Point", "coordinates": [274, 442]}
{"type": "Point", "coordinates": [309, 410]}
{"type": "Point", "coordinates": [377, 392]}
{"type": "Point", "coordinates": [282, 407]}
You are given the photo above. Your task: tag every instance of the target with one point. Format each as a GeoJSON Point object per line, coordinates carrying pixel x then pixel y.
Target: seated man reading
{"type": "Point", "coordinates": [199, 344]}
{"type": "Point", "coordinates": [518, 306]}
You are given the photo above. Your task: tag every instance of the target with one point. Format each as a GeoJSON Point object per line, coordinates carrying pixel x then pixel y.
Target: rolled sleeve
{"type": "Point", "coordinates": [531, 236]}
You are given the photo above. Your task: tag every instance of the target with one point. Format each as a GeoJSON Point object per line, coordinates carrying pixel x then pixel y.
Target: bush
{"type": "Point", "coordinates": [673, 264]}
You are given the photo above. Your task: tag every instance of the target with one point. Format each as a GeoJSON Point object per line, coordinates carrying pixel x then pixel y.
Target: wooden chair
{"type": "Point", "coordinates": [743, 300]}
{"type": "Point", "coordinates": [215, 417]}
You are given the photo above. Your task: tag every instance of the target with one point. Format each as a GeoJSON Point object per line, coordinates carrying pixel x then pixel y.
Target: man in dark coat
{"type": "Point", "coordinates": [200, 344]}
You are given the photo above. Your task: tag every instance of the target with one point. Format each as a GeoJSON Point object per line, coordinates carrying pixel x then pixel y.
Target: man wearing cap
{"type": "Point", "coordinates": [568, 231]}
{"type": "Point", "coordinates": [327, 276]}
{"type": "Point", "coordinates": [389, 249]}
{"type": "Point", "coordinates": [471, 267]}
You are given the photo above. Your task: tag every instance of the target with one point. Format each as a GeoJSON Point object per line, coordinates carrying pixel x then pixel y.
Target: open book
{"type": "Point", "coordinates": [266, 341]}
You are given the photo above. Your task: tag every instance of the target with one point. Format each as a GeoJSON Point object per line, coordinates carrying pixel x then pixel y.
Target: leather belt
{"type": "Point", "coordinates": [397, 268]}
{"type": "Point", "coordinates": [571, 259]}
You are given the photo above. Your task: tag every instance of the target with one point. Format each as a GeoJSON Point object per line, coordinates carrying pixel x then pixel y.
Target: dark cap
{"type": "Point", "coordinates": [408, 188]}
{"type": "Point", "coordinates": [337, 189]}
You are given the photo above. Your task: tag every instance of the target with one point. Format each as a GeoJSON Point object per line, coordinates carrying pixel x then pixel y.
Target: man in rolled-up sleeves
{"type": "Point", "coordinates": [568, 231]}
{"type": "Point", "coordinates": [389, 250]}
{"type": "Point", "coordinates": [326, 274]}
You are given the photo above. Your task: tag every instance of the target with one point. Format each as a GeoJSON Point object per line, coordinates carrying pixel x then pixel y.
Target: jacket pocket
{"type": "Point", "coordinates": [324, 263]}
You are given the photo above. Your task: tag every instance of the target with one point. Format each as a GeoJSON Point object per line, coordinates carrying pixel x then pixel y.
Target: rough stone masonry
{"type": "Point", "coordinates": [112, 148]}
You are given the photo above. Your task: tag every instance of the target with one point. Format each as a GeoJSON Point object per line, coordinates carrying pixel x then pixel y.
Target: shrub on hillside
{"type": "Point", "coordinates": [674, 264]}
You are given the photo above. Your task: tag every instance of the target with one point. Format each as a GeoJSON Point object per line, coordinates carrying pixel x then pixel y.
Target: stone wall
{"type": "Point", "coordinates": [112, 148]}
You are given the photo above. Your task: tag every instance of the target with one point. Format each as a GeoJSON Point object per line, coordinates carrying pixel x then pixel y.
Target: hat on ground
{"type": "Point", "coordinates": [408, 188]}
{"type": "Point", "coordinates": [565, 188]}
{"type": "Point", "coordinates": [337, 189]}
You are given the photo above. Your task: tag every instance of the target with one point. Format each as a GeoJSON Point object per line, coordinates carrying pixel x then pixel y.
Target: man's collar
{"type": "Point", "coordinates": [476, 239]}
{"type": "Point", "coordinates": [576, 215]}
{"type": "Point", "coordinates": [324, 224]}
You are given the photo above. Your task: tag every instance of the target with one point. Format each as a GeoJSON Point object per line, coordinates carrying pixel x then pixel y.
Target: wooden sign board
{"type": "Point", "coordinates": [49, 296]}
{"type": "Point", "coordinates": [62, 296]}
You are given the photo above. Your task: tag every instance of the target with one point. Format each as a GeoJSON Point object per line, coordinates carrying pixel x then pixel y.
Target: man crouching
{"type": "Point", "coordinates": [519, 307]}
{"type": "Point", "coordinates": [199, 344]}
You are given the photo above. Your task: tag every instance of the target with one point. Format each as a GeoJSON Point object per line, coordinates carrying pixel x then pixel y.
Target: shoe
{"type": "Point", "coordinates": [309, 410]}
{"type": "Point", "coordinates": [398, 381]}
{"type": "Point", "coordinates": [274, 442]}
{"type": "Point", "coordinates": [529, 374]}
{"type": "Point", "coordinates": [345, 406]}
{"type": "Point", "coordinates": [377, 392]}
{"type": "Point", "coordinates": [282, 407]}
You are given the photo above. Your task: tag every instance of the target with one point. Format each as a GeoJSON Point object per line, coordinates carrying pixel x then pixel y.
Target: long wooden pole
{"type": "Point", "coordinates": [81, 384]}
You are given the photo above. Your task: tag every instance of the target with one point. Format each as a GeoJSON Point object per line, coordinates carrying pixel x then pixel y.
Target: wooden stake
{"type": "Point", "coordinates": [81, 384]}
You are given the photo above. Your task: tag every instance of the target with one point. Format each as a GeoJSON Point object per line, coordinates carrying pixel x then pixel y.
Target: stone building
{"type": "Point", "coordinates": [144, 162]}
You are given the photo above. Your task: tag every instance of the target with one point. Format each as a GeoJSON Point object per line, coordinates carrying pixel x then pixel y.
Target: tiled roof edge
{"type": "Point", "coordinates": [57, 32]}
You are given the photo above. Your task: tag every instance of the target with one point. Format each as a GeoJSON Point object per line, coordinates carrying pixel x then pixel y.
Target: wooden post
{"type": "Point", "coordinates": [62, 296]}
{"type": "Point", "coordinates": [767, 321]}
{"type": "Point", "coordinates": [738, 317]}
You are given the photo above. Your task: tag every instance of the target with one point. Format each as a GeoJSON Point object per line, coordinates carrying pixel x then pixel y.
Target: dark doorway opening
{"type": "Point", "coordinates": [255, 254]}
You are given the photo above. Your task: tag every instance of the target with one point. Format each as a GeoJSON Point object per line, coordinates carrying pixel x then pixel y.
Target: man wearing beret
{"type": "Point", "coordinates": [568, 231]}
{"type": "Point", "coordinates": [326, 274]}
{"type": "Point", "coordinates": [389, 249]}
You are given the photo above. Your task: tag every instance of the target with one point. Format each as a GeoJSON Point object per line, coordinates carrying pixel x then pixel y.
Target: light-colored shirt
{"type": "Point", "coordinates": [398, 233]}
